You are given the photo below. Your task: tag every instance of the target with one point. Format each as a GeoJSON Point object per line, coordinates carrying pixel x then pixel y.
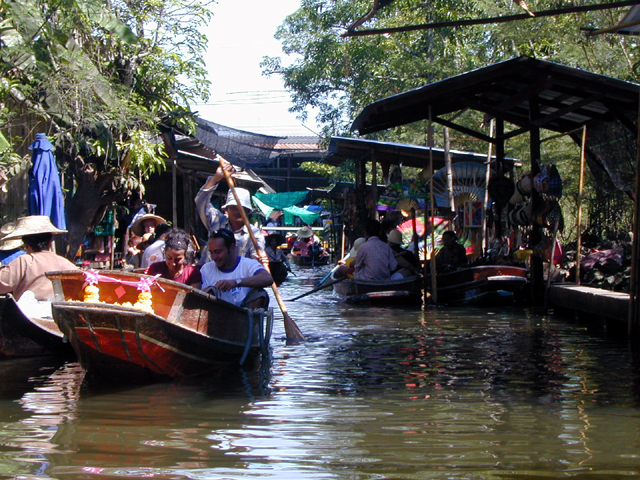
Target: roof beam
{"type": "Point", "coordinates": [486, 21]}
{"type": "Point", "coordinates": [462, 129]}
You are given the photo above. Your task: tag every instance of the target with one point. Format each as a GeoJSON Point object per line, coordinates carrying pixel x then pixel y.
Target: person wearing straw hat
{"type": "Point", "coordinates": [27, 272]}
{"type": "Point", "coordinates": [146, 224]}
{"type": "Point", "coordinates": [345, 264]}
{"type": "Point", "coordinates": [375, 259]}
{"type": "Point", "coordinates": [229, 214]}
{"type": "Point", "coordinates": [155, 251]}
{"type": "Point", "coordinates": [9, 249]}
{"type": "Point", "coordinates": [305, 241]}
{"type": "Point", "coordinates": [408, 262]}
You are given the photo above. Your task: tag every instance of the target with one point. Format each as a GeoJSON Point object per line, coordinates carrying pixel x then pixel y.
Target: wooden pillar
{"type": "Point", "coordinates": [449, 170]}
{"type": "Point", "coordinates": [634, 289]}
{"type": "Point", "coordinates": [536, 272]}
{"type": "Point", "coordinates": [497, 220]}
{"type": "Point", "coordinates": [374, 185]}
{"type": "Point", "coordinates": [174, 190]}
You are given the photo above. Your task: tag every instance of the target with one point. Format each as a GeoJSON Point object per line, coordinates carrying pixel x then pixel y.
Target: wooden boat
{"type": "Point", "coordinates": [22, 336]}
{"type": "Point", "coordinates": [278, 271]}
{"type": "Point", "coordinates": [488, 284]}
{"type": "Point", "coordinates": [405, 291]}
{"type": "Point", "coordinates": [310, 260]}
{"type": "Point", "coordinates": [186, 332]}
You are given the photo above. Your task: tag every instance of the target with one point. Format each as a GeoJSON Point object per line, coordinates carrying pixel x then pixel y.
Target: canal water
{"type": "Point", "coordinates": [374, 393]}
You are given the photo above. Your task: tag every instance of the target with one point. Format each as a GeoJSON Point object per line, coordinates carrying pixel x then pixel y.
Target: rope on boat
{"type": "Point", "coordinates": [247, 345]}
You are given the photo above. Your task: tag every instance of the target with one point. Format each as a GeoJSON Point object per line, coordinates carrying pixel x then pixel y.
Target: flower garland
{"type": "Point", "coordinates": [144, 302]}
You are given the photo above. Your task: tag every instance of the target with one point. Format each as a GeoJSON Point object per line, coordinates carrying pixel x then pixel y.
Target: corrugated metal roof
{"type": "Point", "coordinates": [567, 98]}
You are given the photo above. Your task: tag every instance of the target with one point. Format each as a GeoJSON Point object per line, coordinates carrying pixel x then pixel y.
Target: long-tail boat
{"type": "Point", "coordinates": [404, 291]}
{"type": "Point", "coordinates": [25, 336]}
{"type": "Point", "coordinates": [124, 325]}
{"type": "Point", "coordinates": [489, 284]}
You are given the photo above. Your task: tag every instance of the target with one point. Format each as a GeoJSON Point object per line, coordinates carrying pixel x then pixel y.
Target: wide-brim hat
{"type": "Point", "coordinates": [137, 227]}
{"type": "Point", "coordinates": [279, 238]}
{"type": "Point", "coordinates": [5, 230]}
{"type": "Point", "coordinates": [395, 237]}
{"type": "Point", "coordinates": [356, 246]}
{"type": "Point", "coordinates": [305, 232]}
{"type": "Point", "coordinates": [243, 195]}
{"type": "Point", "coordinates": [33, 225]}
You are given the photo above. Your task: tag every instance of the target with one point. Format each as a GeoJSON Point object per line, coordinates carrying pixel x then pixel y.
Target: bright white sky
{"type": "Point", "coordinates": [240, 34]}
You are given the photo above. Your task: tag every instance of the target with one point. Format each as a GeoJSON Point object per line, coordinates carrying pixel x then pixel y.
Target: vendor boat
{"type": "Point", "coordinates": [314, 260]}
{"type": "Point", "coordinates": [24, 336]}
{"type": "Point", "coordinates": [481, 284]}
{"type": "Point", "coordinates": [124, 325]}
{"type": "Point", "coordinates": [404, 291]}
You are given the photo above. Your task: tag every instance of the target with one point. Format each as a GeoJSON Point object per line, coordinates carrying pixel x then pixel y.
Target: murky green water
{"type": "Point", "coordinates": [373, 394]}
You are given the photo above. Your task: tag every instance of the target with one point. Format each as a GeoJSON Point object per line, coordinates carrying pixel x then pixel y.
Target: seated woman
{"type": "Point", "coordinates": [25, 276]}
{"type": "Point", "coordinates": [177, 265]}
{"type": "Point", "coordinates": [278, 261]}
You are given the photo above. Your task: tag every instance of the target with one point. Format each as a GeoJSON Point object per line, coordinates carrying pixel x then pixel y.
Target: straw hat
{"type": "Point", "coordinates": [305, 232]}
{"type": "Point", "coordinates": [5, 230]}
{"type": "Point", "coordinates": [394, 237]}
{"type": "Point", "coordinates": [356, 246]}
{"type": "Point", "coordinates": [138, 227]}
{"type": "Point", "coordinates": [243, 195]}
{"type": "Point", "coordinates": [33, 225]}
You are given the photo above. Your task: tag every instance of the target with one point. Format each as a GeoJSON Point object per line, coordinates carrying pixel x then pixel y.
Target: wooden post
{"type": "Point", "coordinates": [447, 164]}
{"type": "Point", "coordinates": [174, 189]}
{"type": "Point", "coordinates": [485, 199]}
{"type": "Point", "coordinates": [634, 293]}
{"type": "Point", "coordinates": [537, 280]}
{"type": "Point", "coordinates": [579, 206]}
{"type": "Point", "coordinates": [432, 263]}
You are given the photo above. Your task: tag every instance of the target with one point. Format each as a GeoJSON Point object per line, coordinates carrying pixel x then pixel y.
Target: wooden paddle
{"type": "Point", "coordinates": [291, 329]}
{"type": "Point", "coordinates": [326, 285]}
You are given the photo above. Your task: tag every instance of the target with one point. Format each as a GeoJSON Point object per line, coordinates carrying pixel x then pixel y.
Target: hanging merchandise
{"type": "Point", "coordinates": [469, 182]}
{"type": "Point", "coordinates": [523, 190]}
{"type": "Point", "coordinates": [398, 191]}
{"type": "Point", "coordinates": [522, 214]}
{"type": "Point", "coordinates": [548, 182]}
{"type": "Point", "coordinates": [501, 189]}
{"type": "Point", "coordinates": [549, 214]}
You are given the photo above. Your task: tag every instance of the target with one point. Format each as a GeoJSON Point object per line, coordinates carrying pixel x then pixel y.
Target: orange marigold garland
{"type": "Point", "coordinates": [145, 297]}
{"type": "Point", "coordinates": [91, 291]}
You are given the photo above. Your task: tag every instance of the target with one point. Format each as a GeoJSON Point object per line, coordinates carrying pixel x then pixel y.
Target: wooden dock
{"type": "Point", "coordinates": [595, 302]}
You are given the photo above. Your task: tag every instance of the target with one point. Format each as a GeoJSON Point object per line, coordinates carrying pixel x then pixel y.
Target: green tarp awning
{"type": "Point", "coordinates": [289, 212]}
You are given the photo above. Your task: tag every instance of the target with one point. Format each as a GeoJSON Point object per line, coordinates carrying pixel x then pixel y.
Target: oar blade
{"type": "Point", "coordinates": [291, 330]}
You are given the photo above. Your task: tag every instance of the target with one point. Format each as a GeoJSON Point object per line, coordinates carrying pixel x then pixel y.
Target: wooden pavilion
{"type": "Point", "coordinates": [533, 95]}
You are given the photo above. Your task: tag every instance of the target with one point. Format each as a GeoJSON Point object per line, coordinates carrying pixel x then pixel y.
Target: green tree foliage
{"type": "Point", "coordinates": [340, 76]}
{"type": "Point", "coordinates": [101, 76]}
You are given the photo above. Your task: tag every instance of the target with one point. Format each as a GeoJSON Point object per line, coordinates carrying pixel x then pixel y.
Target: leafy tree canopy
{"type": "Point", "coordinates": [100, 76]}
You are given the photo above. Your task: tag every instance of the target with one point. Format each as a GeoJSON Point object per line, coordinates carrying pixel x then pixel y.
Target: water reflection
{"type": "Point", "coordinates": [374, 393]}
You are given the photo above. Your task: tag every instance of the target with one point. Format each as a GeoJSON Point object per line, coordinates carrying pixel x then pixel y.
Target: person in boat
{"type": "Point", "coordinates": [229, 216]}
{"type": "Point", "coordinates": [234, 278]}
{"type": "Point", "coordinates": [452, 255]}
{"type": "Point", "coordinates": [375, 259]}
{"type": "Point", "coordinates": [178, 260]}
{"type": "Point", "coordinates": [408, 262]}
{"type": "Point", "coordinates": [345, 264]}
{"type": "Point", "coordinates": [305, 243]}
{"type": "Point", "coordinates": [274, 253]}
{"type": "Point", "coordinates": [27, 272]}
{"type": "Point", "coordinates": [146, 223]}
{"type": "Point", "coordinates": [12, 248]}
{"type": "Point", "coordinates": [155, 251]}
